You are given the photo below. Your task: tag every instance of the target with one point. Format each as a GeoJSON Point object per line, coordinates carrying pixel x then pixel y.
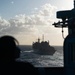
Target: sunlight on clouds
{"type": "Point", "coordinates": [47, 10]}
{"type": "Point", "coordinates": [4, 24]}
{"type": "Point", "coordinates": [32, 26]}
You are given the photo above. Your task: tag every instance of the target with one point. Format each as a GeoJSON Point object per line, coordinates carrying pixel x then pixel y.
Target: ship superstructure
{"type": "Point", "coordinates": [43, 47]}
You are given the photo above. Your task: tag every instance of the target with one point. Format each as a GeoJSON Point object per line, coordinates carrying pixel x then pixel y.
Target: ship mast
{"type": "Point", "coordinates": [38, 40]}
{"type": "Point", "coordinates": [43, 37]}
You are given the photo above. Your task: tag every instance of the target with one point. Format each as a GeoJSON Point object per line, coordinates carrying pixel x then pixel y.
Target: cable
{"type": "Point", "coordinates": [63, 33]}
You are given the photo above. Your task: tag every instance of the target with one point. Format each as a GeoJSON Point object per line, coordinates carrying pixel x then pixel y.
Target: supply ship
{"type": "Point", "coordinates": [43, 47]}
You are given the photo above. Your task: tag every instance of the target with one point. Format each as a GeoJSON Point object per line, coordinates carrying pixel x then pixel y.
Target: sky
{"type": "Point", "coordinates": [28, 20]}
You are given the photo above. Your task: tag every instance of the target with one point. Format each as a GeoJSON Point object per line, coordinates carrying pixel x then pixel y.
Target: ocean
{"type": "Point", "coordinates": [27, 54]}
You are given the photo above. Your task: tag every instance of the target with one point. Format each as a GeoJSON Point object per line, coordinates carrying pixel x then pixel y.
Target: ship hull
{"type": "Point", "coordinates": [47, 51]}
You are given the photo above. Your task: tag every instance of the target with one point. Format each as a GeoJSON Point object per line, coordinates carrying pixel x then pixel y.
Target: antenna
{"type": "Point", "coordinates": [43, 37]}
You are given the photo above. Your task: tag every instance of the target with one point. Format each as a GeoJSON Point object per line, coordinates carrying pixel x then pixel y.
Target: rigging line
{"type": "Point", "coordinates": [63, 33]}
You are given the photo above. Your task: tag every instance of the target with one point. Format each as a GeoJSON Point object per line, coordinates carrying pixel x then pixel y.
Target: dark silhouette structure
{"type": "Point", "coordinates": [43, 47]}
{"type": "Point", "coordinates": [68, 20]}
{"type": "Point", "coordinates": [9, 52]}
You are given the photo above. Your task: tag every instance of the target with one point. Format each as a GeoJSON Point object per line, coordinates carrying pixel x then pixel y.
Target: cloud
{"type": "Point", "coordinates": [12, 2]}
{"type": "Point", "coordinates": [37, 23]}
{"type": "Point", "coordinates": [35, 8]}
{"type": "Point", "coordinates": [47, 10]}
{"type": "Point", "coordinates": [4, 24]}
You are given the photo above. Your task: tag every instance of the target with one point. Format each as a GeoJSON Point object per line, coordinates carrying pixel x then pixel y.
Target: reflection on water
{"type": "Point", "coordinates": [27, 54]}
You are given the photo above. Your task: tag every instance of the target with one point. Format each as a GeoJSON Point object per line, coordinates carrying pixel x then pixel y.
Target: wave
{"type": "Point", "coordinates": [42, 60]}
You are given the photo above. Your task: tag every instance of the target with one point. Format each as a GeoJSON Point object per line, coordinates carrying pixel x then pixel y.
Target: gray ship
{"type": "Point", "coordinates": [43, 47]}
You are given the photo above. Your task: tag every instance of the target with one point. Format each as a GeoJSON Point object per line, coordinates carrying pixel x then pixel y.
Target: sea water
{"type": "Point", "coordinates": [27, 54]}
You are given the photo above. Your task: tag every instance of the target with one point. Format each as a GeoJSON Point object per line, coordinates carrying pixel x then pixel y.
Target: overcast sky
{"type": "Point", "coordinates": [27, 20]}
